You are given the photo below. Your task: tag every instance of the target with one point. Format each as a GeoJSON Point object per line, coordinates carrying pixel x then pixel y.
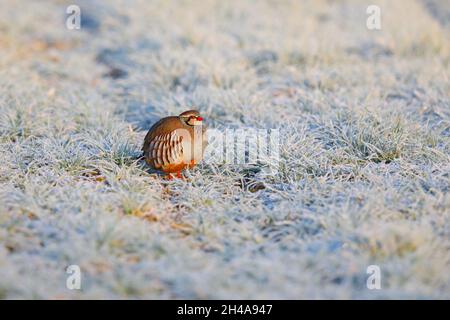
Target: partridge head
{"type": "Point", "coordinates": [175, 143]}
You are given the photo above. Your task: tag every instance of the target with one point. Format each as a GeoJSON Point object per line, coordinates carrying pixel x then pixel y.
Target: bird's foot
{"type": "Point", "coordinates": [179, 175]}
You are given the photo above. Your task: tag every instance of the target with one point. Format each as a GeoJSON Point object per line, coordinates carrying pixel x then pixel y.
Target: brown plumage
{"type": "Point", "coordinates": [176, 142]}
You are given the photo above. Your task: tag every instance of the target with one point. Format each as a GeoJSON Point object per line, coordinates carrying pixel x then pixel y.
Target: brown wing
{"type": "Point", "coordinates": [163, 143]}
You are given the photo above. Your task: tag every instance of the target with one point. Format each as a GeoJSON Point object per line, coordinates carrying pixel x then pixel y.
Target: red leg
{"type": "Point", "coordinates": [169, 176]}
{"type": "Point", "coordinates": [179, 176]}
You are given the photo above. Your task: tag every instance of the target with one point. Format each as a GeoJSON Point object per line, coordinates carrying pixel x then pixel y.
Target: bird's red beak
{"type": "Point", "coordinates": [199, 118]}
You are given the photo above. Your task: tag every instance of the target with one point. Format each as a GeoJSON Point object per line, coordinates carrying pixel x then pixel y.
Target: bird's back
{"type": "Point", "coordinates": [162, 127]}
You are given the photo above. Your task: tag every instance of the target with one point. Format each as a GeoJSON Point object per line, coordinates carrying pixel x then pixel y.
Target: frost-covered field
{"type": "Point", "coordinates": [365, 147]}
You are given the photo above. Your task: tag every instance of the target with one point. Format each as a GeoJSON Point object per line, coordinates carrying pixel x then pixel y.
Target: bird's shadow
{"type": "Point", "coordinates": [148, 169]}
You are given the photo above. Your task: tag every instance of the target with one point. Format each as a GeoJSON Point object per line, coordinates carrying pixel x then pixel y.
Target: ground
{"type": "Point", "coordinates": [364, 171]}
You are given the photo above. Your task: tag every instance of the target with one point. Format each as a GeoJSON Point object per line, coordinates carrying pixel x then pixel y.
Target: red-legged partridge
{"type": "Point", "coordinates": [175, 143]}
